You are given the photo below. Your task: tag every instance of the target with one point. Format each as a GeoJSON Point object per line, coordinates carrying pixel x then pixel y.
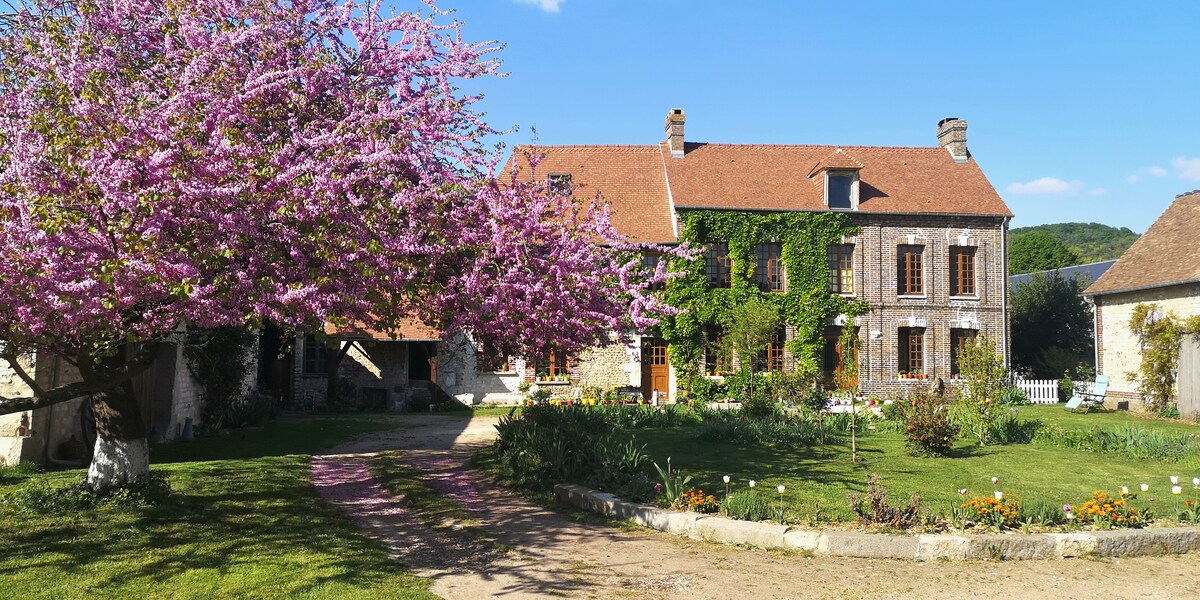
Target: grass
{"type": "Point", "coordinates": [826, 475]}
{"type": "Point", "coordinates": [245, 522]}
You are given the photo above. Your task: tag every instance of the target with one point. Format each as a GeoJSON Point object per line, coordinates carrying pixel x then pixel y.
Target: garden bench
{"type": "Point", "coordinates": [1096, 396]}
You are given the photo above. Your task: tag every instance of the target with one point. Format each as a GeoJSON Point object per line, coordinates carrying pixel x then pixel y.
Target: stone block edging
{"type": "Point", "coordinates": [723, 530]}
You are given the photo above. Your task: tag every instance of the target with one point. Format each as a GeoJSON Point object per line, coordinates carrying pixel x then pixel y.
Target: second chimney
{"type": "Point", "coordinates": [675, 132]}
{"type": "Point", "coordinates": [952, 135]}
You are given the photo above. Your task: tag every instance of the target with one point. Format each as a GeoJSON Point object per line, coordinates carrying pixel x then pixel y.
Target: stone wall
{"type": "Point", "coordinates": [368, 365]}
{"type": "Point", "coordinates": [460, 376]}
{"type": "Point", "coordinates": [12, 444]}
{"type": "Point", "coordinates": [1118, 349]}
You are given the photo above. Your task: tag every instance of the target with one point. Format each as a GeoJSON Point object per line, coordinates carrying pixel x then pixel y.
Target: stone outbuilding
{"type": "Point", "coordinates": [1162, 267]}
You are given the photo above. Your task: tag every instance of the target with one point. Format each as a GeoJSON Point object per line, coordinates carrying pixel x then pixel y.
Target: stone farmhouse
{"type": "Point", "coordinates": [1162, 267]}
{"type": "Point", "coordinates": [925, 252]}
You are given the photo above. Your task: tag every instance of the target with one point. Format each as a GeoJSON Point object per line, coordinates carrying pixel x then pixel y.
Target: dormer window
{"type": "Point", "coordinates": [841, 190]}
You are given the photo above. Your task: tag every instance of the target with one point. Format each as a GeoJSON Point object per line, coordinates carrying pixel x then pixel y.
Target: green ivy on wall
{"type": "Point", "coordinates": [807, 304]}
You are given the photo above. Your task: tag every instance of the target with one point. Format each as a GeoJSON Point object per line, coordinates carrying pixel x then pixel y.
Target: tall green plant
{"type": "Point", "coordinates": [1160, 334]}
{"type": "Point", "coordinates": [748, 330]}
{"type": "Point", "coordinates": [984, 378]}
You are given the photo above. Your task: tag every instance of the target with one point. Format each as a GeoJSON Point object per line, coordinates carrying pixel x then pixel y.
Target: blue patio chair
{"type": "Point", "coordinates": [1096, 396]}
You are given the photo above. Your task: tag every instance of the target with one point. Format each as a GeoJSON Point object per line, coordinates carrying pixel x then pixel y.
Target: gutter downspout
{"type": "Point", "coordinates": [1007, 287]}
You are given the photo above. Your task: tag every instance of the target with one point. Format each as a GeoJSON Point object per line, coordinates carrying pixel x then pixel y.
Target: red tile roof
{"type": "Point", "coordinates": [1167, 254]}
{"type": "Point", "coordinates": [629, 177]}
{"type": "Point", "coordinates": [763, 177]}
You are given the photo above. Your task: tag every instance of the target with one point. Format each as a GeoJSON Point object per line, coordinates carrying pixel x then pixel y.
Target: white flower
{"type": "Point", "coordinates": [1124, 489]}
{"type": "Point", "coordinates": [999, 495]}
{"type": "Point", "coordinates": [1070, 516]}
{"type": "Point", "coordinates": [995, 480]}
{"type": "Point", "coordinates": [962, 491]}
{"type": "Point", "coordinates": [1196, 482]}
{"type": "Point", "coordinates": [780, 488]}
{"type": "Point", "coordinates": [751, 483]}
{"type": "Point", "coordinates": [726, 478]}
{"type": "Point", "coordinates": [1176, 490]}
{"type": "Point", "coordinates": [1145, 487]}
{"type": "Point", "coordinates": [1174, 480]}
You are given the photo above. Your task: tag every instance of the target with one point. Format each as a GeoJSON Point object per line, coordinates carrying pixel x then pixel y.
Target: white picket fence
{"type": "Point", "coordinates": [1045, 391]}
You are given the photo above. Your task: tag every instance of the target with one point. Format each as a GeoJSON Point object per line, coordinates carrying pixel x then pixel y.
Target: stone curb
{"type": "Point", "coordinates": [722, 530]}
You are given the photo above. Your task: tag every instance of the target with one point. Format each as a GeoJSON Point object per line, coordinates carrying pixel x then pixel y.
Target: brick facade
{"type": "Point", "coordinates": [936, 311]}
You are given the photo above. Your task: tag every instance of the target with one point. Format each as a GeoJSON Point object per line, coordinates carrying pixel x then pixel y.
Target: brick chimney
{"type": "Point", "coordinates": [952, 135]}
{"type": "Point", "coordinates": [675, 132]}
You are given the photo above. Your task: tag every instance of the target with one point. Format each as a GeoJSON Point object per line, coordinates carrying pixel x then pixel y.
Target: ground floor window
{"type": "Point", "coordinates": [835, 359]}
{"type": "Point", "coordinates": [958, 342]}
{"type": "Point", "coordinates": [771, 359]}
{"type": "Point", "coordinates": [716, 360]}
{"type": "Point", "coordinates": [556, 367]}
{"type": "Point", "coordinates": [316, 356]}
{"type": "Point", "coordinates": [912, 350]}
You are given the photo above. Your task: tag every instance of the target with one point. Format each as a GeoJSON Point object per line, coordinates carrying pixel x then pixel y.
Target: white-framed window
{"type": "Point", "coordinates": [841, 189]}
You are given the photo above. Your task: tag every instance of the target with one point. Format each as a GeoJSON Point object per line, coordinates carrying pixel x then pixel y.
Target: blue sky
{"type": "Point", "coordinates": [1077, 111]}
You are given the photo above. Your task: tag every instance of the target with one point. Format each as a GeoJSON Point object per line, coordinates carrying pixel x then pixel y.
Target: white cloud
{"type": "Point", "coordinates": [550, 6]}
{"type": "Point", "coordinates": [1132, 179]}
{"type": "Point", "coordinates": [1189, 168]}
{"type": "Point", "coordinates": [1097, 192]}
{"type": "Point", "coordinates": [1156, 171]}
{"type": "Point", "coordinates": [1046, 185]}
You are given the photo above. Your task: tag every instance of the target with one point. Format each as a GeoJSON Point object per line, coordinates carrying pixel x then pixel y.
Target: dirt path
{"type": "Point", "coordinates": [552, 555]}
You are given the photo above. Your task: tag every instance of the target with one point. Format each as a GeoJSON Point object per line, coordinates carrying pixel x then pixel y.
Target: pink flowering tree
{"type": "Point", "coordinates": [171, 165]}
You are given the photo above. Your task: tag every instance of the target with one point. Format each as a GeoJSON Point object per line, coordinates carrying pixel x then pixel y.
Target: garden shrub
{"type": "Point", "coordinates": [815, 401]}
{"type": "Point", "coordinates": [704, 390]}
{"type": "Point", "coordinates": [43, 498]}
{"type": "Point", "coordinates": [1009, 429]}
{"type": "Point", "coordinates": [1169, 411]}
{"type": "Point", "coordinates": [753, 390]}
{"type": "Point", "coordinates": [748, 505]}
{"type": "Point", "coordinates": [876, 509]}
{"type": "Point", "coordinates": [927, 427]}
{"type": "Point", "coordinates": [547, 445]}
{"type": "Point", "coordinates": [1013, 396]}
{"type": "Point", "coordinates": [983, 378]}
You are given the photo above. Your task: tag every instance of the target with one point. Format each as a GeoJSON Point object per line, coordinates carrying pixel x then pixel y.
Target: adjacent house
{"type": "Point", "coordinates": [1162, 267]}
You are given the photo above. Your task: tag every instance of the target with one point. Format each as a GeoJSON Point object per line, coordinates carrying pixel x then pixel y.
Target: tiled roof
{"type": "Point", "coordinates": [1167, 254]}
{"type": "Point", "coordinates": [410, 330]}
{"type": "Point", "coordinates": [892, 180]}
{"type": "Point", "coordinates": [763, 177]}
{"type": "Point", "coordinates": [629, 177]}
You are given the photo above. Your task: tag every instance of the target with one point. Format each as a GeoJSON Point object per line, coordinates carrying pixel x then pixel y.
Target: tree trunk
{"type": "Point", "coordinates": [122, 450]}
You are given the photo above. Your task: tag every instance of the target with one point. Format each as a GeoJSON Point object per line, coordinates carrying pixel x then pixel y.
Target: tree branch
{"type": "Point", "coordinates": [93, 383]}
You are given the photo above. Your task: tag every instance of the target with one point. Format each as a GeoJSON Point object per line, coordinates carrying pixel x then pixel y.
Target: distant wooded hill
{"type": "Point", "coordinates": [1093, 242]}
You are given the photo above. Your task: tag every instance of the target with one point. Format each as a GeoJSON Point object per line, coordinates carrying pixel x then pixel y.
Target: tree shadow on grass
{"type": "Point", "coordinates": [255, 530]}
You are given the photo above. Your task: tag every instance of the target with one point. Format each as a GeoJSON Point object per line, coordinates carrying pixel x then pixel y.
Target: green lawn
{"type": "Point", "coordinates": [827, 475]}
{"type": "Point", "coordinates": [246, 523]}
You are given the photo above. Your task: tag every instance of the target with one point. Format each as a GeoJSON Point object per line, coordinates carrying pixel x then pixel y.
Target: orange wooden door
{"type": "Point", "coordinates": [655, 370]}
